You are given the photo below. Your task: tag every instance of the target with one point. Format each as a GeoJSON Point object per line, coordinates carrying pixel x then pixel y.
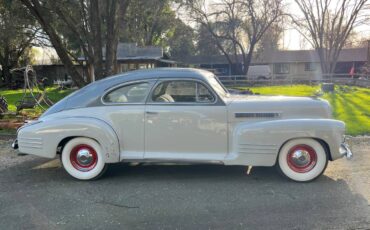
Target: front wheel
{"type": "Point", "coordinates": [302, 159]}
{"type": "Point", "coordinates": [82, 158]}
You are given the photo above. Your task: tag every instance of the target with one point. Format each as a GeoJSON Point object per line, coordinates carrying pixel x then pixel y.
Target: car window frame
{"type": "Point", "coordinates": [151, 83]}
{"type": "Point", "coordinates": [161, 80]}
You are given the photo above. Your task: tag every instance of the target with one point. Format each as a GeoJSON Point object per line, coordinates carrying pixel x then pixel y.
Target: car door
{"type": "Point", "coordinates": [125, 108]}
{"type": "Point", "coordinates": [185, 120]}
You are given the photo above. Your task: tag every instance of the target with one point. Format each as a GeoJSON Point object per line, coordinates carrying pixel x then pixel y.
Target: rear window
{"type": "Point", "coordinates": [133, 93]}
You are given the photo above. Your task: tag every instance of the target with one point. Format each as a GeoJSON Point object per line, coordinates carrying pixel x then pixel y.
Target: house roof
{"type": "Point", "coordinates": [200, 59]}
{"type": "Point", "coordinates": [126, 51]}
{"type": "Point", "coordinates": [355, 54]}
{"type": "Point", "coordinates": [130, 51]}
{"type": "Point", "coordinates": [283, 56]}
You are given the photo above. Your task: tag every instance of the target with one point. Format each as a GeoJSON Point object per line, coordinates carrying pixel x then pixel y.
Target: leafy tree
{"type": "Point", "coordinates": [87, 25]}
{"type": "Point", "coordinates": [17, 32]}
{"type": "Point", "coordinates": [270, 40]}
{"type": "Point", "coordinates": [206, 43]}
{"type": "Point", "coordinates": [181, 42]}
{"type": "Point", "coordinates": [154, 23]}
{"type": "Point", "coordinates": [149, 23]}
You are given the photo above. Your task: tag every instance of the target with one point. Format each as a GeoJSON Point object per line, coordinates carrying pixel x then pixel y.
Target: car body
{"type": "Point", "coordinates": [183, 115]}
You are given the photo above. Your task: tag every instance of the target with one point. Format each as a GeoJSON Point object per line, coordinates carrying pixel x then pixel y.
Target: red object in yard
{"type": "Point", "coordinates": [352, 71]}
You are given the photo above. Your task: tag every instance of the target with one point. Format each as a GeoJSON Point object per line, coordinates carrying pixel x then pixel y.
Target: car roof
{"type": "Point", "coordinates": [90, 94]}
{"type": "Point", "coordinates": [156, 73]}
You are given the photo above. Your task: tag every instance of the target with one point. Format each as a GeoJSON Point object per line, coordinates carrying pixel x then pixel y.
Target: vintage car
{"type": "Point", "coordinates": [183, 115]}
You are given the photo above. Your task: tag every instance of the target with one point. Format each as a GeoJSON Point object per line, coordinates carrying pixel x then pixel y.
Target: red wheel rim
{"type": "Point", "coordinates": [301, 158]}
{"type": "Point", "coordinates": [83, 157]}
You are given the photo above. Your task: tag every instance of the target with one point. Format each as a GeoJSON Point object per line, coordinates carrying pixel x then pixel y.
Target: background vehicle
{"type": "Point", "coordinates": [259, 72]}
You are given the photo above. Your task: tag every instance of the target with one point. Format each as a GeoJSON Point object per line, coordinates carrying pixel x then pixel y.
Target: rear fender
{"type": "Point", "coordinates": [43, 138]}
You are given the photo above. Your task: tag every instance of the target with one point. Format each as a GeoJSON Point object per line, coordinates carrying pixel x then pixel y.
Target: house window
{"type": "Point", "coordinates": [281, 68]}
{"type": "Point", "coordinates": [309, 66]}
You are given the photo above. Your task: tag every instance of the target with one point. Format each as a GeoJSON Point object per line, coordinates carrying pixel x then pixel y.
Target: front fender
{"type": "Point", "coordinates": [259, 143]}
{"type": "Point", "coordinates": [43, 138]}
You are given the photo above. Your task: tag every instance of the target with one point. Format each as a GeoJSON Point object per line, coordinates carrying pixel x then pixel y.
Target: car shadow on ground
{"type": "Point", "coordinates": [207, 172]}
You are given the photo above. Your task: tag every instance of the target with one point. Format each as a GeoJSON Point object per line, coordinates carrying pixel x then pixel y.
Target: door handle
{"type": "Point", "coordinates": [151, 113]}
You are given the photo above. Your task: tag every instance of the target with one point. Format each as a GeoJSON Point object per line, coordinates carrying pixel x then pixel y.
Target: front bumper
{"type": "Point", "coordinates": [345, 151]}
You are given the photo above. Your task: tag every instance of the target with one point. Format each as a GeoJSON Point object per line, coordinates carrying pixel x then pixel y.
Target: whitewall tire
{"type": "Point", "coordinates": [302, 159]}
{"type": "Point", "coordinates": [83, 159]}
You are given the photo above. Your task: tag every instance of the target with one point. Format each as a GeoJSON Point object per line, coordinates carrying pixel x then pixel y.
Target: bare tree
{"type": "Point", "coordinates": [327, 24]}
{"type": "Point", "coordinates": [236, 25]}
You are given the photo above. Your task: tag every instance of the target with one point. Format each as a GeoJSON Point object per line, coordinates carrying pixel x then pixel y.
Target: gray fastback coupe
{"type": "Point", "coordinates": [184, 115]}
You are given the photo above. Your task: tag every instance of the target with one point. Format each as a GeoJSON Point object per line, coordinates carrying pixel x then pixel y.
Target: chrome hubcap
{"type": "Point", "coordinates": [84, 157]}
{"type": "Point", "coordinates": [301, 157]}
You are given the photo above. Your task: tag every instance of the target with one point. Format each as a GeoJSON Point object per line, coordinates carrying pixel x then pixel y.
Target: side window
{"type": "Point", "coordinates": [134, 93]}
{"type": "Point", "coordinates": [182, 92]}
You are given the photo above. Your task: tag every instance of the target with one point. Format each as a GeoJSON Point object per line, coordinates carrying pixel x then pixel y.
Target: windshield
{"type": "Point", "coordinates": [218, 86]}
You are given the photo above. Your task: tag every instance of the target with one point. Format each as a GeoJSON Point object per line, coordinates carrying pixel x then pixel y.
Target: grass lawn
{"type": "Point", "coordinates": [350, 104]}
{"type": "Point", "coordinates": [12, 96]}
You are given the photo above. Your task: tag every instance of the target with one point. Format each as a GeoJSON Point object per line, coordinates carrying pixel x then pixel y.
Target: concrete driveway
{"type": "Point", "coordinates": [36, 193]}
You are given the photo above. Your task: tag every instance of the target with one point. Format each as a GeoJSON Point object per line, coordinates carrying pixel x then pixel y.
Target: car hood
{"type": "Point", "coordinates": [276, 107]}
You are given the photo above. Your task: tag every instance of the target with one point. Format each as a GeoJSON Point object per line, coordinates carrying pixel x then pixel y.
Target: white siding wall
{"type": "Point", "coordinates": [298, 70]}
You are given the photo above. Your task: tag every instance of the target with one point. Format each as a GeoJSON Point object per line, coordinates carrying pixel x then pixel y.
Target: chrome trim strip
{"type": "Point", "coordinates": [30, 146]}
{"type": "Point", "coordinates": [31, 138]}
{"type": "Point", "coordinates": [256, 144]}
{"type": "Point", "coordinates": [31, 142]}
{"type": "Point", "coordinates": [256, 148]}
{"type": "Point", "coordinates": [254, 153]}
{"type": "Point", "coordinates": [257, 115]}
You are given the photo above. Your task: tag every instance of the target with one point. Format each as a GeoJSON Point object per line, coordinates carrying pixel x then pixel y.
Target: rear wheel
{"type": "Point", "coordinates": [302, 159]}
{"type": "Point", "coordinates": [82, 158]}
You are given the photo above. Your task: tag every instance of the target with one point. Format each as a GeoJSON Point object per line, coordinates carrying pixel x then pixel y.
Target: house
{"type": "Point", "coordinates": [284, 63]}
{"type": "Point", "coordinates": [132, 57]}
{"type": "Point", "coordinates": [306, 63]}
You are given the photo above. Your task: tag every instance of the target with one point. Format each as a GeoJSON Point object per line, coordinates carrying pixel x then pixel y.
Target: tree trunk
{"type": "Point", "coordinates": [36, 9]}
{"type": "Point", "coordinates": [323, 61]}
{"type": "Point", "coordinates": [7, 75]}
{"type": "Point", "coordinates": [247, 59]}
{"type": "Point", "coordinates": [112, 38]}
{"type": "Point", "coordinates": [97, 38]}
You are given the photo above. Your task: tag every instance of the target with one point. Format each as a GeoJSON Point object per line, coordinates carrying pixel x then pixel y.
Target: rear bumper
{"type": "Point", "coordinates": [15, 144]}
